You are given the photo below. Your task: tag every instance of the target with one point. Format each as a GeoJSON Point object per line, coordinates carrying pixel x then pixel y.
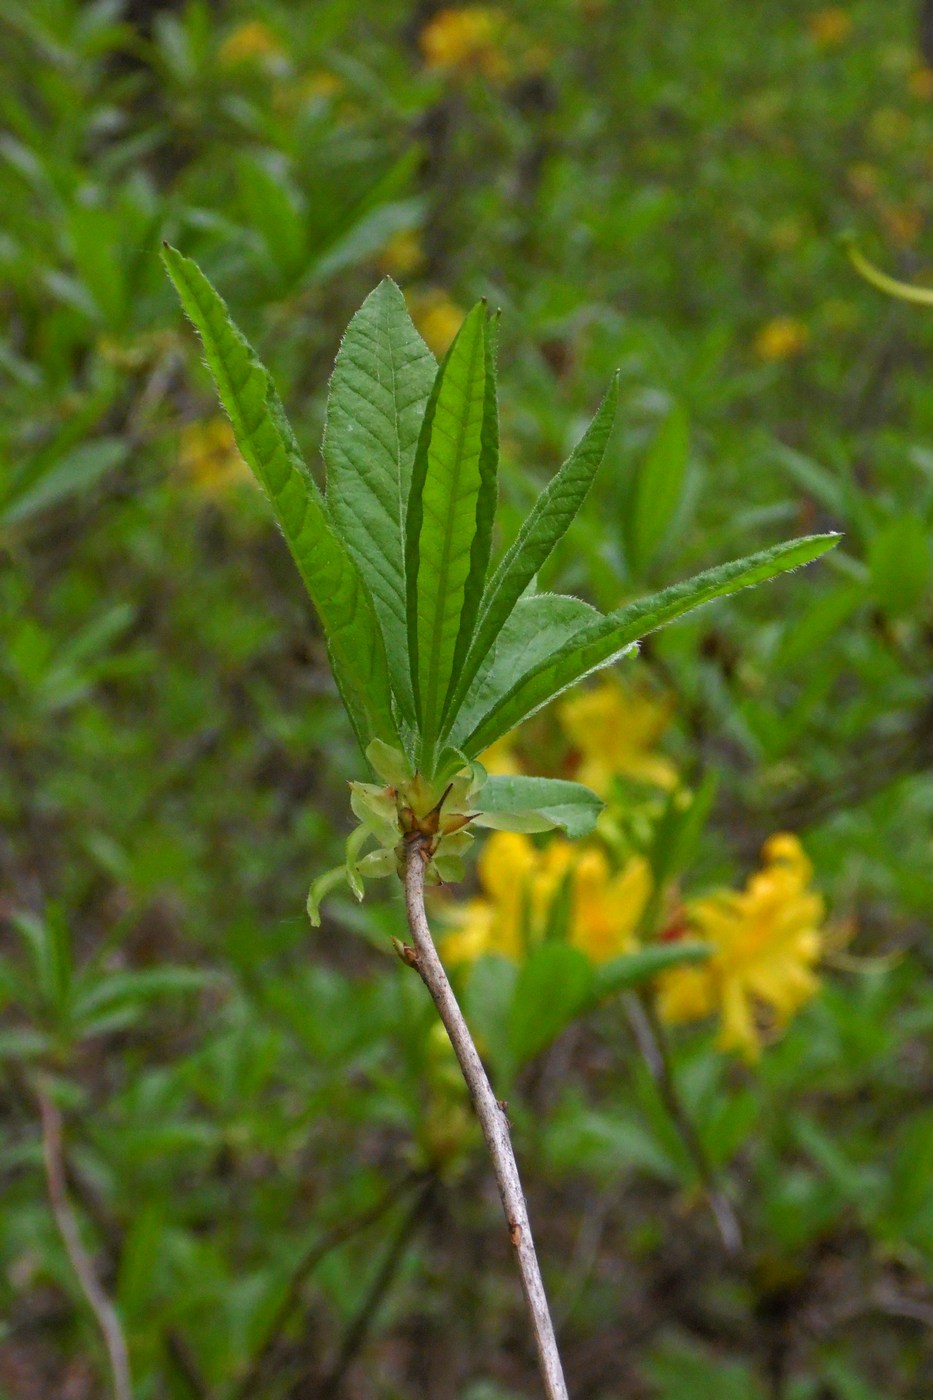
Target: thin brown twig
{"type": "Point", "coordinates": [651, 1041]}
{"type": "Point", "coordinates": [424, 958]}
{"type": "Point", "coordinates": [104, 1312]}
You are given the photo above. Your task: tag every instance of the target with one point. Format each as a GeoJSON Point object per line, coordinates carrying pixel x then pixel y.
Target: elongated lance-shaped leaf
{"type": "Point", "coordinates": [378, 392]}
{"type": "Point", "coordinates": [486, 502]}
{"type": "Point", "coordinates": [552, 515]}
{"type": "Point", "coordinates": [452, 498]}
{"type": "Point", "coordinates": [538, 626]}
{"type": "Point", "coordinates": [599, 643]}
{"type": "Point", "coordinates": [263, 435]}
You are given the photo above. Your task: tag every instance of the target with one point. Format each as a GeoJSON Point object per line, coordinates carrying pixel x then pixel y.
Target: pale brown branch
{"type": "Point", "coordinates": [424, 958]}
{"type": "Point", "coordinates": [66, 1221]}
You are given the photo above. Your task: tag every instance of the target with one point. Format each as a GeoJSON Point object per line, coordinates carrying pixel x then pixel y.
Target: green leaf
{"type": "Point", "coordinates": [658, 487]}
{"type": "Point", "coordinates": [378, 392]}
{"type": "Point", "coordinates": [72, 474]}
{"type": "Point", "coordinates": [263, 435]}
{"type": "Point", "coordinates": [451, 505]}
{"type": "Point", "coordinates": [553, 984]}
{"type": "Point", "coordinates": [49, 943]}
{"type": "Point", "coordinates": [120, 998]}
{"type": "Point", "coordinates": [609, 637]}
{"type": "Point", "coordinates": [539, 625]}
{"type": "Point", "coordinates": [541, 532]}
{"type": "Point", "coordinates": [537, 804]}
{"type": "Point", "coordinates": [488, 997]}
{"type": "Point", "coordinates": [321, 888]}
{"type": "Point", "coordinates": [632, 969]}
{"type": "Point", "coordinates": [899, 563]}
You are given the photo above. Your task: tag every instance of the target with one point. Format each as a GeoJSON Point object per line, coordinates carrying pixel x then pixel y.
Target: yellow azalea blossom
{"type": "Point", "coordinates": [615, 730]}
{"type": "Point", "coordinates": [766, 941]}
{"type": "Point", "coordinates": [830, 27]}
{"type": "Point", "coordinates": [520, 885]}
{"type": "Point", "coordinates": [500, 758]}
{"type": "Point", "coordinates": [437, 318]}
{"type": "Point", "coordinates": [467, 39]}
{"type": "Point", "coordinates": [253, 40]}
{"type": "Point", "coordinates": [781, 339]}
{"type": "Point", "coordinates": [403, 254]}
{"type": "Point", "coordinates": [606, 908]}
{"type": "Point", "coordinates": [209, 458]}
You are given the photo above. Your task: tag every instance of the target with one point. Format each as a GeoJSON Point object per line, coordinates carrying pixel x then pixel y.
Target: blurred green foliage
{"type": "Point", "coordinates": [253, 1108]}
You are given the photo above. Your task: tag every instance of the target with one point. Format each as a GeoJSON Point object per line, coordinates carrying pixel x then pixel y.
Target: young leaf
{"type": "Point", "coordinates": [452, 501]}
{"type": "Point", "coordinates": [545, 527]}
{"type": "Point", "coordinates": [539, 625]}
{"type": "Point", "coordinates": [263, 435]}
{"type": "Point", "coordinates": [537, 804]}
{"type": "Point", "coordinates": [378, 391]}
{"type": "Point", "coordinates": [605, 639]}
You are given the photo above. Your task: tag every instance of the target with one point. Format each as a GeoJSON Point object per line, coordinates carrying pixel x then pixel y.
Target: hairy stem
{"type": "Point", "coordinates": [651, 1041]}
{"type": "Point", "coordinates": [424, 958]}
{"type": "Point", "coordinates": [104, 1312]}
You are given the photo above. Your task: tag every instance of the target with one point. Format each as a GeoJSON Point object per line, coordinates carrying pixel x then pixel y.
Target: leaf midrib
{"type": "Point", "coordinates": [439, 611]}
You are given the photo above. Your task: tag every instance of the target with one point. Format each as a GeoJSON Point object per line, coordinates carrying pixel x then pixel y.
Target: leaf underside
{"type": "Point", "coordinates": [538, 804]}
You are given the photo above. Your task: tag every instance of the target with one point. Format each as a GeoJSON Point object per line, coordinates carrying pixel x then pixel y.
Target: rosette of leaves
{"type": "Point", "coordinates": [436, 654]}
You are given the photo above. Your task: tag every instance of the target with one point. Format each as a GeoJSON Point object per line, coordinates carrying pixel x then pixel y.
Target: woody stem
{"type": "Point", "coordinates": [424, 958]}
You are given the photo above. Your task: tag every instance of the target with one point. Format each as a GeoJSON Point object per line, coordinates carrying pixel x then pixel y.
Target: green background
{"type": "Point", "coordinates": [648, 187]}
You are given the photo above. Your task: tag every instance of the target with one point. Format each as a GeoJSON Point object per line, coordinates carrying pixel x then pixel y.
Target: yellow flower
{"type": "Point", "coordinates": [607, 908]}
{"type": "Point", "coordinates": [467, 39]}
{"type": "Point", "coordinates": [253, 40]}
{"type": "Point", "coordinates": [830, 27]}
{"type": "Point", "coordinates": [403, 254]}
{"type": "Point", "coordinates": [437, 318]}
{"type": "Point", "coordinates": [208, 457]}
{"type": "Point", "coordinates": [521, 885]}
{"type": "Point", "coordinates": [781, 339]}
{"type": "Point", "coordinates": [766, 941]}
{"type": "Point", "coordinates": [615, 730]}
{"type": "Point", "coordinates": [500, 758]}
